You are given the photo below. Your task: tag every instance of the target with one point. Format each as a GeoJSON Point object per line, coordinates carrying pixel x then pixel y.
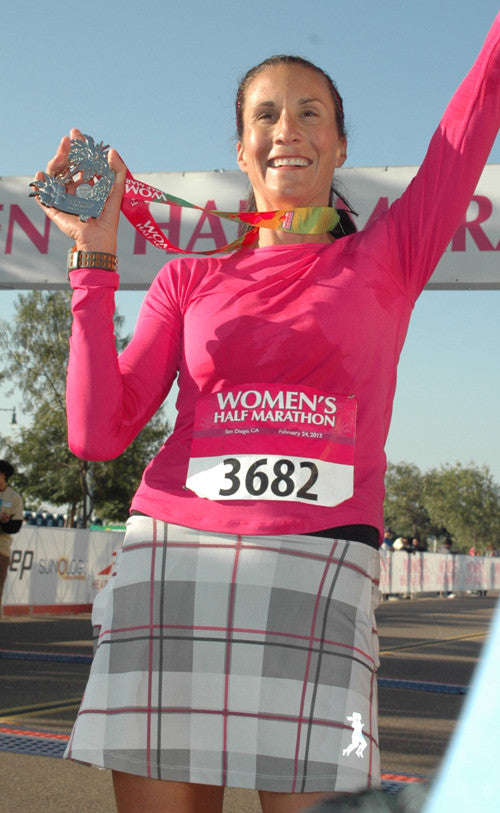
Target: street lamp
{"type": "Point", "coordinates": [13, 418]}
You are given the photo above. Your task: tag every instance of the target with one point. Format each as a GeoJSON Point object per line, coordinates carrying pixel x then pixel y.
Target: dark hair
{"type": "Point", "coordinates": [345, 224]}
{"type": "Point", "coordinates": [6, 468]}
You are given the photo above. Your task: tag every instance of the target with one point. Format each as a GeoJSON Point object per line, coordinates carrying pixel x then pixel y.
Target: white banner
{"type": "Point", "coordinates": [437, 572]}
{"type": "Point", "coordinates": [33, 251]}
{"type": "Point", "coordinates": [59, 570]}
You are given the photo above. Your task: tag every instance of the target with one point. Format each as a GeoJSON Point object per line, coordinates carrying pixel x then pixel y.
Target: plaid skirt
{"type": "Point", "coordinates": [241, 661]}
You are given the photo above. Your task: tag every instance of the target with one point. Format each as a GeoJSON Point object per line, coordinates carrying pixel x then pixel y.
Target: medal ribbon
{"type": "Point", "coordinates": [137, 195]}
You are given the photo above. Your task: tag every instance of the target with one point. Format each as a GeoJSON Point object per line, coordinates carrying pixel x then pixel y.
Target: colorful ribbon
{"type": "Point", "coordinates": [137, 196]}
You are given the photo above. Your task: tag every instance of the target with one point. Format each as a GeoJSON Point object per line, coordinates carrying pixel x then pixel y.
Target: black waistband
{"type": "Point", "coordinates": [366, 534]}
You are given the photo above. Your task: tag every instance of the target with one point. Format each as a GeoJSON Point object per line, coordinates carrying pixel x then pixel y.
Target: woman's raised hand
{"type": "Point", "coordinates": [95, 234]}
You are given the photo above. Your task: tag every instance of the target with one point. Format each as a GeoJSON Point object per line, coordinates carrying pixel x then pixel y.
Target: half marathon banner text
{"type": "Point", "coordinates": [33, 251]}
{"type": "Point", "coordinates": [59, 570]}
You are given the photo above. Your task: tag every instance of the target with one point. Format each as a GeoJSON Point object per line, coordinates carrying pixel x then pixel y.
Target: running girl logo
{"type": "Point", "coordinates": [358, 742]}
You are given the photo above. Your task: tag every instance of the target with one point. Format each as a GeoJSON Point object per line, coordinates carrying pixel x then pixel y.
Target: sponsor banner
{"type": "Point", "coordinates": [33, 251]}
{"type": "Point", "coordinates": [62, 570]}
{"type": "Point", "coordinates": [58, 568]}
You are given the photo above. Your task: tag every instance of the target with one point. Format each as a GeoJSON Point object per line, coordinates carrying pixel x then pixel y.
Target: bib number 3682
{"type": "Point", "coordinates": [270, 478]}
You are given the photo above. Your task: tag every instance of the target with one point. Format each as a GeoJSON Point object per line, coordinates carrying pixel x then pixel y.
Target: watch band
{"type": "Point", "coordinates": [91, 259]}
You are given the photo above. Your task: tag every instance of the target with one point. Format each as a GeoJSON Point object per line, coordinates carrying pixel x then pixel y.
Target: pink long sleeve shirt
{"type": "Point", "coordinates": [322, 318]}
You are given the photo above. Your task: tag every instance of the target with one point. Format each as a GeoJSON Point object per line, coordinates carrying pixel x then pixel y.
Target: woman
{"type": "Point", "coordinates": [237, 640]}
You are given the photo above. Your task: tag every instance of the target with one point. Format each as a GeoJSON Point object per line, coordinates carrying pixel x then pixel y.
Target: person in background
{"type": "Point", "coordinates": [388, 542]}
{"type": "Point", "coordinates": [388, 545]}
{"type": "Point", "coordinates": [11, 519]}
{"type": "Point", "coordinates": [447, 548]}
{"type": "Point", "coordinates": [417, 545]}
{"type": "Point", "coordinates": [407, 545]}
{"type": "Point", "coordinates": [403, 543]}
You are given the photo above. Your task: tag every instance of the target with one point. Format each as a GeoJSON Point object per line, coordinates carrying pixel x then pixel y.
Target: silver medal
{"type": "Point", "coordinates": [88, 166]}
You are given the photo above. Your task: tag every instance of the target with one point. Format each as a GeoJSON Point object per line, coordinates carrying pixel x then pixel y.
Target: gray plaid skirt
{"type": "Point", "coordinates": [242, 661]}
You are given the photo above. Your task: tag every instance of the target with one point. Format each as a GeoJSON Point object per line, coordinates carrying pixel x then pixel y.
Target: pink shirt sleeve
{"type": "Point", "coordinates": [111, 397]}
{"type": "Point", "coordinates": [423, 220]}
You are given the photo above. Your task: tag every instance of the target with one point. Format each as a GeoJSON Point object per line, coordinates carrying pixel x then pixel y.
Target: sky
{"type": "Point", "coordinates": [157, 81]}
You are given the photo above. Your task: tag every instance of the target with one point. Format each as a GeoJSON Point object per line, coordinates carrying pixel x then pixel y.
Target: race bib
{"type": "Point", "coordinates": [274, 442]}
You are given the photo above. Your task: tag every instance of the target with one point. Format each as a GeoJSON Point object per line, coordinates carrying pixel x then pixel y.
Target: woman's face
{"type": "Point", "coordinates": [291, 144]}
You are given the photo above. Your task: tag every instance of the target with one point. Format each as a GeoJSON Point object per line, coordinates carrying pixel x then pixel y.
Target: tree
{"type": "Point", "coordinates": [462, 502]}
{"type": "Point", "coordinates": [35, 356]}
{"type": "Point", "coordinates": [46, 469]}
{"type": "Point", "coordinates": [467, 501]}
{"type": "Point", "coordinates": [404, 505]}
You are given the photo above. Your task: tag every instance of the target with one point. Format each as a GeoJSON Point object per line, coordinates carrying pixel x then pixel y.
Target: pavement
{"type": "Point", "coordinates": [426, 644]}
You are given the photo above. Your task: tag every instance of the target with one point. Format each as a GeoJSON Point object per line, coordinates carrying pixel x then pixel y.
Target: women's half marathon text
{"type": "Point", "coordinates": [269, 415]}
{"type": "Point", "coordinates": [284, 406]}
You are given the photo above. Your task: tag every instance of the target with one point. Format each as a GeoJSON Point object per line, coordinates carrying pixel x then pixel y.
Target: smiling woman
{"type": "Point", "coordinates": [236, 643]}
{"type": "Point", "coordinates": [290, 123]}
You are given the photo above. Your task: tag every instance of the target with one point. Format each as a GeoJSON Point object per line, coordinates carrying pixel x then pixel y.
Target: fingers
{"type": "Point", "coordinates": [116, 162]}
{"type": "Point", "coordinates": [60, 159]}
{"type": "Point", "coordinates": [119, 167]}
